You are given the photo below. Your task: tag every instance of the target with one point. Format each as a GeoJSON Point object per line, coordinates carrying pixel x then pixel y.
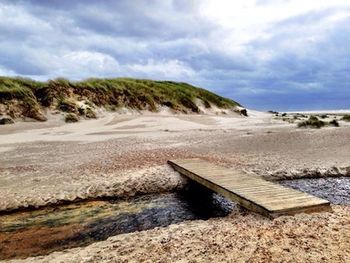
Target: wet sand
{"type": "Point", "coordinates": [334, 189]}
{"type": "Point", "coordinates": [106, 157]}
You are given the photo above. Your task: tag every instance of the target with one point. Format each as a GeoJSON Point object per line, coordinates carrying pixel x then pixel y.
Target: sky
{"type": "Point", "coordinates": [266, 54]}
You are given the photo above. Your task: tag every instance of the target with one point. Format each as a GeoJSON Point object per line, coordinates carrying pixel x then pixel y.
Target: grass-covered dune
{"type": "Point", "coordinates": [20, 97]}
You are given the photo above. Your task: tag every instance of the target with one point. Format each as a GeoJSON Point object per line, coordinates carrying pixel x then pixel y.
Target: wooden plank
{"type": "Point", "coordinates": [228, 194]}
{"type": "Point", "coordinates": [251, 192]}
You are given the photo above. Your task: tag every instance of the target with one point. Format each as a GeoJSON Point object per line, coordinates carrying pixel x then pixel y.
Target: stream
{"type": "Point", "coordinates": [53, 228]}
{"type": "Point", "coordinates": [334, 189]}
{"type": "Point", "coordinates": [48, 229]}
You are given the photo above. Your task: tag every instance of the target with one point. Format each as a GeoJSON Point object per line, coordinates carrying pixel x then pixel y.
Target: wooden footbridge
{"type": "Point", "coordinates": [251, 192]}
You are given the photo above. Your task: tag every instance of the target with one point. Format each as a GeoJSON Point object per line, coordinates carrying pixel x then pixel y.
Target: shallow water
{"type": "Point", "coordinates": [334, 189]}
{"type": "Point", "coordinates": [42, 231]}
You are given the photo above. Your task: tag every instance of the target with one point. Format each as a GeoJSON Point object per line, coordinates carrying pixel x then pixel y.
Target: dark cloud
{"type": "Point", "coordinates": [302, 62]}
{"type": "Point", "coordinates": [134, 19]}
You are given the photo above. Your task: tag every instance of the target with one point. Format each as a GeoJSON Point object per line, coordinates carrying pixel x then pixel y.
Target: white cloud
{"type": "Point", "coordinates": [6, 72]}
{"type": "Point", "coordinates": [21, 21]}
{"type": "Point", "coordinates": [244, 21]}
{"type": "Point", "coordinates": [169, 69]}
{"type": "Point", "coordinates": [249, 13]}
{"type": "Point", "coordinates": [83, 64]}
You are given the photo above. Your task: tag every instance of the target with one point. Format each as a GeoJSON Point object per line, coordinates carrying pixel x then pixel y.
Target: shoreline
{"type": "Point", "coordinates": [341, 111]}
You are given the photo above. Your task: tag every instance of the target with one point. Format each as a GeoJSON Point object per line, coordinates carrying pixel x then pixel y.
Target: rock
{"type": "Point", "coordinates": [6, 120]}
{"type": "Point", "coordinates": [244, 112]}
{"type": "Point", "coordinates": [241, 111]}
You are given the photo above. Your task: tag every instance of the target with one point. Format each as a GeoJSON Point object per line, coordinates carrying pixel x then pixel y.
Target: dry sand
{"type": "Point", "coordinates": [119, 155]}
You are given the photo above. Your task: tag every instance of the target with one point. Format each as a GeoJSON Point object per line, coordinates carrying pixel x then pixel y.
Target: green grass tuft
{"type": "Point", "coordinates": [334, 123]}
{"type": "Point", "coordinates": [67, 105]}
{"type": "Point", "coordinates": [71, 117]}
{"type": "Point", "coordinates": [346, 117]}
{"type": "Point", "coordinates": [312, 122]}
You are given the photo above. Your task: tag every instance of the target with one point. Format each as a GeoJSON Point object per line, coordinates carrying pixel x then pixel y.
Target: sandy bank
{"type": "Point", "coordinates": [240, 237]}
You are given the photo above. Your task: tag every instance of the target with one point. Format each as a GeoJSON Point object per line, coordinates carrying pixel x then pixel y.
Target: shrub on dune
{"type": "Point", "coordinates": [346, 118]}
{"type": "Point", "coordinates": [312, 122]}
{"type": "Point", "coordinates": [71, 117]}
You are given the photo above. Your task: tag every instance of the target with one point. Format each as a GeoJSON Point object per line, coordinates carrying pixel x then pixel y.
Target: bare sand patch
{"type": "Point", "coordinates": [116, 133]}
{"type": "Point", "coordinates": [119, 119]}
{"type": "Point", "coordinates": [128, 127]}
{"type": "Point", "coordinates": [58, 188]}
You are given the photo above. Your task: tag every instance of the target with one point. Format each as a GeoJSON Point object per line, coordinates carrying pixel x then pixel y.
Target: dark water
{"type": "Point", "coordinates": [334, 189]}
{"type": "Point", "coordinates": [42, 231]}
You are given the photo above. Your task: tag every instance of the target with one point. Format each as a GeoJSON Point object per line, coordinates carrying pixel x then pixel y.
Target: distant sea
{"type": "Point", "coordinates": [321, 111]}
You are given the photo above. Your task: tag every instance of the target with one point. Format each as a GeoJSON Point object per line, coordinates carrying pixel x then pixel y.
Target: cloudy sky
{"type": "Point", "coordinates": [267, 54]}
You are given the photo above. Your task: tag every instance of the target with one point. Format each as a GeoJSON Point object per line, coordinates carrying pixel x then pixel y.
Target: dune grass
{"type": "Point", "coordinates": [20, 92]}
{"type": "Point", "coordinates": [334, 123]}
{"type": "Point", "coordinates": [312, 122]}
{"type": "Point", "coordinates": [111, 93]}
{"type": "Point", "coordinates": [71, 117]}
{"type": "Point", "coordinates": [346, 118]}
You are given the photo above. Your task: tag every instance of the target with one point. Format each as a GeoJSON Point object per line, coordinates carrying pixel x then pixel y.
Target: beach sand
{"type": "Point", "coordinates": [125, 155]}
